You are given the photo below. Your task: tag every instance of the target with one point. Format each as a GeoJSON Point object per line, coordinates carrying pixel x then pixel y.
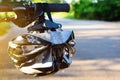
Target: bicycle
{"type": "Point", "coordinates": [46, 48]}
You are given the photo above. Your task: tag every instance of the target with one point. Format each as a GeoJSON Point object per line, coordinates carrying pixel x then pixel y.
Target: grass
{"type": "Point", "coordinates": [4, 27]}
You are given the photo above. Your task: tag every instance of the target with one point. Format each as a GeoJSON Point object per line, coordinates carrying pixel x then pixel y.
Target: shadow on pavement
{"type": "Point", "coordinates": [98, 48]}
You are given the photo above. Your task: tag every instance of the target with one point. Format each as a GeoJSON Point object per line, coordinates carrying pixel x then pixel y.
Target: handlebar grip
{"type": "Point", "coordinates": [59, 7]}
{"type": "Point", "coordinates": [53, 7]}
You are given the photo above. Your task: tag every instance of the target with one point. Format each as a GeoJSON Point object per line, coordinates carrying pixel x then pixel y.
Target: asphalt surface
{"type": "Point", "coordinates": [97, 52]}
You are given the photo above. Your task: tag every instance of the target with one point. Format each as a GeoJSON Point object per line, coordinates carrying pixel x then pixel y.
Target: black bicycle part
{"type": "Point", "coordinates": [53, 7]}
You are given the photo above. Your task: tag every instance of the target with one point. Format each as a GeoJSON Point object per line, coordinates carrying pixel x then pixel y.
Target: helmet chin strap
{"type": "Point", "coordinates": [67, 59]}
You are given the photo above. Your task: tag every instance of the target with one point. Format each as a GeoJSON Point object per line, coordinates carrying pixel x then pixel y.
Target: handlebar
{"type": "Point", "coordinates": [53, 7]}
{"type": "Point", "coordinates": [27, 13]}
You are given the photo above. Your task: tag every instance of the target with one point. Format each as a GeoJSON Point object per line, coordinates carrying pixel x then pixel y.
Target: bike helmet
{"type": "Point", "coordinates": [38, 55]}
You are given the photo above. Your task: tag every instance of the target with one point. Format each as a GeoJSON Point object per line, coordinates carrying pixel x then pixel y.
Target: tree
{"type": "Point", "coordinates": [108, 10]}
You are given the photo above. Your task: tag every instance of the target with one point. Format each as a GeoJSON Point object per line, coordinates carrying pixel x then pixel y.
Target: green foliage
{"type": "Point", "coordinates": [108, 10]}
{"type": "Point", "coordinates": [4, 27]}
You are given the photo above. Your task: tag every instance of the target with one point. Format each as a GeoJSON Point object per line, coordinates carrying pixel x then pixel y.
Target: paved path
{"type": "Point", "coordinates": [97, 53]}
